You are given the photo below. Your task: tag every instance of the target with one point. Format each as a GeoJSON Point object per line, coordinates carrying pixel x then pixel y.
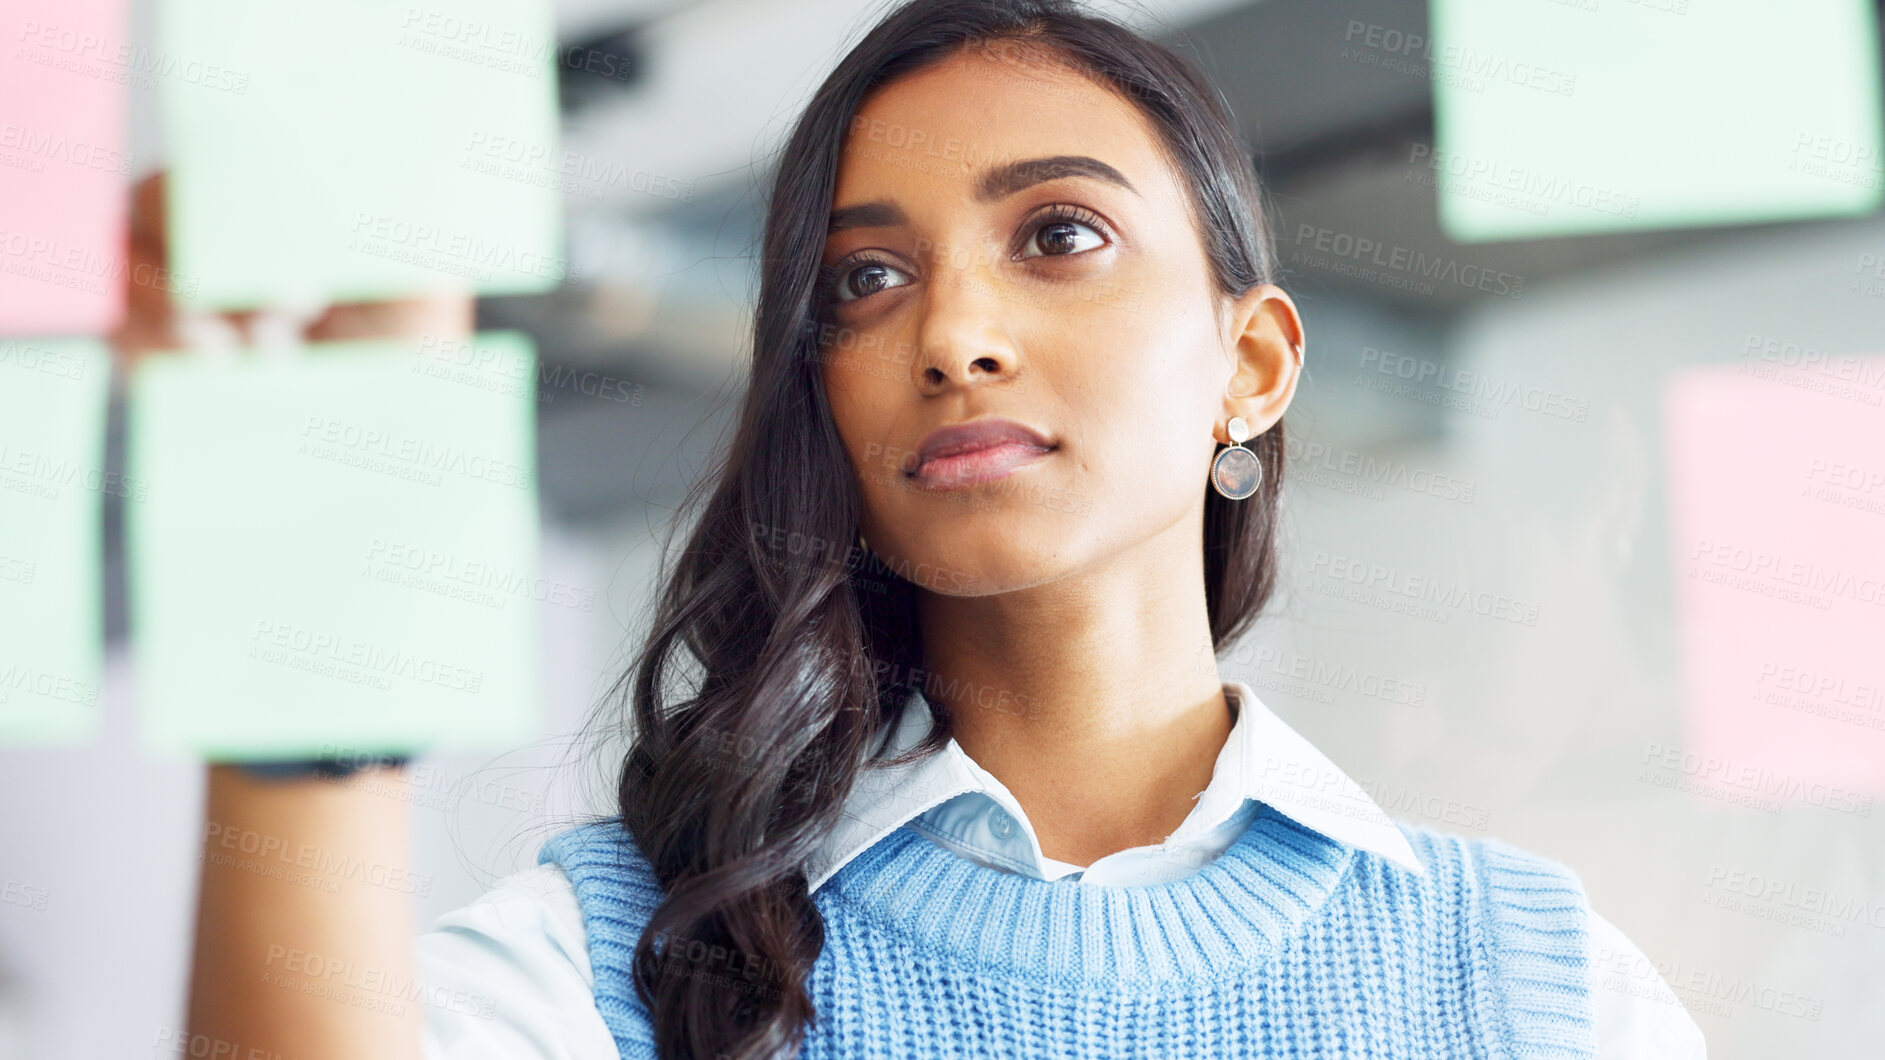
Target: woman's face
{"type": "Point", "coordinates": [1009, 241]}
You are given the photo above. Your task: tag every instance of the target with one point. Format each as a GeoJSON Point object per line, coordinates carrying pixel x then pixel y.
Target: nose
{"type": "Point", "coordinates": [963, 338]}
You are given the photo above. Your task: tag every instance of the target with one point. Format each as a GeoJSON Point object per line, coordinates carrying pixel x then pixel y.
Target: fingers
{"type": "Point", "coordinates": [148, 221]}
{"type": "Point", "coordinates": [152, 323]}
{"type": "Point", "coordinates": [442, 315]}
{"type": "Point", "coordinates": [149, 321]}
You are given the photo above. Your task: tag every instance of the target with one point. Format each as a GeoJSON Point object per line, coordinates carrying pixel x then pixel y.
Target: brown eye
{"type": "Point", "coordinates": [1062, 237]}
{"type": "Point", "coordinates": [865, 279]}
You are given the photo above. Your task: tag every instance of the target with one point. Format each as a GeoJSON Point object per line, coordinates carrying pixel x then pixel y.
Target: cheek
{"type": "Point", "coordinates": [1144, 435]}
{"type": "Point", "coordinates": [863, 413]}
{"type": "Point", "coordinates": [1144, 387]}
{"type": "Point", "coordinates": [842, 397]}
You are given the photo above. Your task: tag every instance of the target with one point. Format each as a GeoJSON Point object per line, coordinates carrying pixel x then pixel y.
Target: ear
{"type": "Point", "coordinates": [1266, 339]}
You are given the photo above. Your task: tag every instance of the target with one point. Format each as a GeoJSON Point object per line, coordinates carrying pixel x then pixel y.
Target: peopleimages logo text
{"type": "Point", "coordinates": [1410, 262]}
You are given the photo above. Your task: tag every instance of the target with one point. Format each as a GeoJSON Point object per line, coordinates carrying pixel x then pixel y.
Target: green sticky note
{"type": "Point", "coordinates": [1556, 117]}
{"type": "Point", "coordinates": [360, 149]}
{"type": "Point", "coordinates": [339, 549]}
{"type": "Point", "coordinates": [53, 397]}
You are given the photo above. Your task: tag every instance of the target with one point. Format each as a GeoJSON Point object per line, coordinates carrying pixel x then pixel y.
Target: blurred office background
{"type": "Point", "coordinates": [1545, 734]}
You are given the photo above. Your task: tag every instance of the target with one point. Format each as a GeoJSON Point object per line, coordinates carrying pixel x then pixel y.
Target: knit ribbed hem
{"type": "Point", "coordinates": [615, 886]}
{"type": "Point", "coordinates": [1234, 913]}
{"type": "Point", "coordinates": [1501, 962]}
{"type": "Point", "coordinates": [1538, 944]}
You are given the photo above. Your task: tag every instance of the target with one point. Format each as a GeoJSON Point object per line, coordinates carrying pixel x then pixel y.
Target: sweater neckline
{"type": "Point", "coordinates": [1237, 910]}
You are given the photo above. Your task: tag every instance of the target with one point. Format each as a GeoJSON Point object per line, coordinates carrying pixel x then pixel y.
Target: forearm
{"type": "Point", "coordinates": [305, 927]}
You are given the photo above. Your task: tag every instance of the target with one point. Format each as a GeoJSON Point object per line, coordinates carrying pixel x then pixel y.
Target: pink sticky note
{"type": "Point", "coordinates": [64, 65]}
{"type": "Point", "coordinates": [1777, 524]}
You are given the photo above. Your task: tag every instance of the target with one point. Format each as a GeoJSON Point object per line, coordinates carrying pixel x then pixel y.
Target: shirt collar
{"type": "Point", "coordinates": [1264, 759]}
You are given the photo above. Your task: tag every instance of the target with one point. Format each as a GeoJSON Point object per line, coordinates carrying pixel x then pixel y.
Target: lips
{"type": "Point", "coordinates": [980, 451]}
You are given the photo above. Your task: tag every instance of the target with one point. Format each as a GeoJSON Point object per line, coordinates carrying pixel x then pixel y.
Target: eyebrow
{"type": "Point", "coordinates": [1003, 181]}
{"type": "Point", "coordinates": [998, 182]}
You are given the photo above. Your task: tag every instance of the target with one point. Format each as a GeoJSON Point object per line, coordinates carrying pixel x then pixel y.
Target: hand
{"type": "Point", "coordinates": [152, 324]}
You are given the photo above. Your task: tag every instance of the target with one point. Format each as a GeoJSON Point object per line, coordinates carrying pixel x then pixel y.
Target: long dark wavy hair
{"type": "Point", "coordinates": [778, 652]}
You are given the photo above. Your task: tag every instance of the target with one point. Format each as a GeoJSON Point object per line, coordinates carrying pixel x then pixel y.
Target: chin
{"type": "Point", "coordinates": [976, 564]}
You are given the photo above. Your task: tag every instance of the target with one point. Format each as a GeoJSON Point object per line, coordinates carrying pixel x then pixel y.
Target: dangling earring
{"type": "Point", "coordinates": [1235, 472]}
{"type": "Point", "coordinates": [860, 542]}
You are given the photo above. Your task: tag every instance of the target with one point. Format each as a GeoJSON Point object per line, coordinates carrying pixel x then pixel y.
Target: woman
{"type": "Point", "coordinates": [932, 755]}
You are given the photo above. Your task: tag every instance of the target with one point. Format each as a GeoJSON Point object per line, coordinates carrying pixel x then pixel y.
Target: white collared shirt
{"type": "Point", "coordinates": [520, 956]}
{"type": "Point", "coordinates": [953, 800]}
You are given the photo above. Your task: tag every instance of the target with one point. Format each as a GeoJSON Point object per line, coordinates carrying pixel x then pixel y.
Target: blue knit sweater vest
{"type": "Point", "coordinates": [1288, 944]}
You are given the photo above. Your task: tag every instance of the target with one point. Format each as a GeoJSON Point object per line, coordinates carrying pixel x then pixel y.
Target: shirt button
{"type": "Point", "coordinates": [1000, 823]}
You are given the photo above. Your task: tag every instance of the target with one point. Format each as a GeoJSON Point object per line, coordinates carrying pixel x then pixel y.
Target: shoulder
{"type": "Point", "coordinates": [508, 973]}
{"type": "Point", "coordinates": [602, 840]}
{"type": "Point", "coordinates": [1545, 940]}
{"type": "Point", "coordinates": [1494, 868]}
{"type": "Point", "coordinates": [545, 956]}
{"type": "Point", "coordinates": [537, 902]}
{"type": "Point", "coordinates": [1523, 924]}
{"type": "Point", "coordinates": [617, 892]}
{"type": "Point", "coordinates": [602, 860]}
{"type": "Point", "coordinates": [1526, 903]}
